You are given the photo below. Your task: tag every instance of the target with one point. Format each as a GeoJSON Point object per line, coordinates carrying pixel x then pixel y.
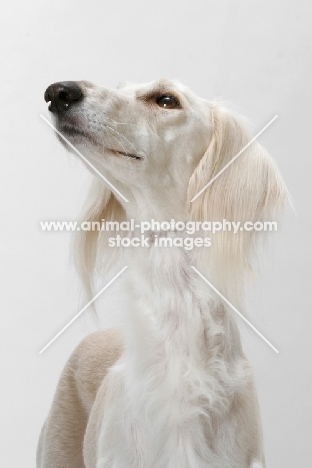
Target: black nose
{"type": "Point", "coordinates": [63, 95]}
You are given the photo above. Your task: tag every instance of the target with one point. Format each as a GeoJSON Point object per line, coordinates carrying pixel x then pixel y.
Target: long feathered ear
{"type": "Point", "coordinates": [90, 245]}
{"type": "Point", "coordinates": [250, 189]}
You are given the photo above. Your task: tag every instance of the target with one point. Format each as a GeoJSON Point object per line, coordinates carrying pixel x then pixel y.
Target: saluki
{"type": "Point", "coordinates": [172, 388]}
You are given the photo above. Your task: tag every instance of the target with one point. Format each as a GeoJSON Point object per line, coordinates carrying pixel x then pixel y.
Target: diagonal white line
{"type": "Point", "coordinates": [232, 160]}
{"type": "Point", "coordinates": [237, 311]}
{"type": "Point", "coordinates": [82, 310]}
{"type": "Point", "coordinates": [84, 158]}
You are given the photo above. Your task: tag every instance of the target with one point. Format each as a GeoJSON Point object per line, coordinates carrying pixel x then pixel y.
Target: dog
{"type": "Point", "coordinates": [173, 389]}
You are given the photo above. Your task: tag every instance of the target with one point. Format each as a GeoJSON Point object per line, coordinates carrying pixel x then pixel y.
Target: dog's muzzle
{"type": "Point", "coordinates": [62, 96]}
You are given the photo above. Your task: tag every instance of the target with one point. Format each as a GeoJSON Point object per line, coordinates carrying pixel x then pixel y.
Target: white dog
{"type": "Point", "coordinates": [174, 390]}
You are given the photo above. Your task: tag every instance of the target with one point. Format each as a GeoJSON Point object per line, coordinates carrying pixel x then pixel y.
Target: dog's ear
{"type": "Point", "coordinates": [249, 189]}
{"type": "Point", "coordinates": [91, 243]}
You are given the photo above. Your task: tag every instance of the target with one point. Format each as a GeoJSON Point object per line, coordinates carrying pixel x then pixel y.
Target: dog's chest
{"type": "Point", "coordinates": [157, 436]}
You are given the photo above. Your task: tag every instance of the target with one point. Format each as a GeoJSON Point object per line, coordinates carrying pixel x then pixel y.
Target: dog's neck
{"type": "Point", "coordinates": [150, 202]}
{"type": "Point", "coordinates": [140, 212]}
{"type": "Point", "coordinates": [171, 395]}
{"type": "Point", "coordinates": [177, 331]}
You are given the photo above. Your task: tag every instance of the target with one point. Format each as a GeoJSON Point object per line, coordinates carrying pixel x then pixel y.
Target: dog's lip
{"type": "Point", "coordinates": [129, 155]}
{"type": "Point", "coordinates": [73, 130]}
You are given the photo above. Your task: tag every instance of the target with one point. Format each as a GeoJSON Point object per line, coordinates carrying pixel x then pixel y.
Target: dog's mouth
{"type": "Point", "coordinates": [128, 155]}
{"type": "Point", "coordinates": [76, 132]}
{"type": "Point", "coordinates": [73, 131]}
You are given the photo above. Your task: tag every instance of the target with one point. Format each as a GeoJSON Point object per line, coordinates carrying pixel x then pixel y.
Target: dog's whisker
{"type": "Point", "coordinates": [130, 165]}
{"type": "Point", "coordinates": [122, 136]}
{"type": "Point", "coordinates": [118, 141]}
{"type": "Point", "coordinates": [120, 123]}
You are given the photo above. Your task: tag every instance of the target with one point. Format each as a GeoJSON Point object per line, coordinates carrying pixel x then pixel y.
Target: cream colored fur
{"type": "Point", "coordinates": [77, 402]}
{"type": "Point", "coordinates": [174, 389]}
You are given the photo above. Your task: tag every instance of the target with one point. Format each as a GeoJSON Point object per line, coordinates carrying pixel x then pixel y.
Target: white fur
{"type": "Point", "coordinates": [182, 373]}
{"type": "Point", "coordinates": [181, 395]}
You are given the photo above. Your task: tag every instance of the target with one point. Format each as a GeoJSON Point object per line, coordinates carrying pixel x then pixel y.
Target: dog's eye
{"type": "Point", "coordinates": [168, 101]}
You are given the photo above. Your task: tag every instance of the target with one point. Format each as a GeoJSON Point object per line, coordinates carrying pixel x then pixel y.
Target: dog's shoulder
{"type": "Point", "coordinates": [91, 360]}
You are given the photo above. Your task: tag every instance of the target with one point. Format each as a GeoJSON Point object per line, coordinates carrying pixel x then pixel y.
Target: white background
{"type": "Point", "coordinates": [254, 54]}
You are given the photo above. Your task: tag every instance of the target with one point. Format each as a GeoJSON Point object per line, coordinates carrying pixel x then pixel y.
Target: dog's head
{"type": "Point", "coordinates": [159, 145]}
{"type": "Point", "coordinates": [146, 140]}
